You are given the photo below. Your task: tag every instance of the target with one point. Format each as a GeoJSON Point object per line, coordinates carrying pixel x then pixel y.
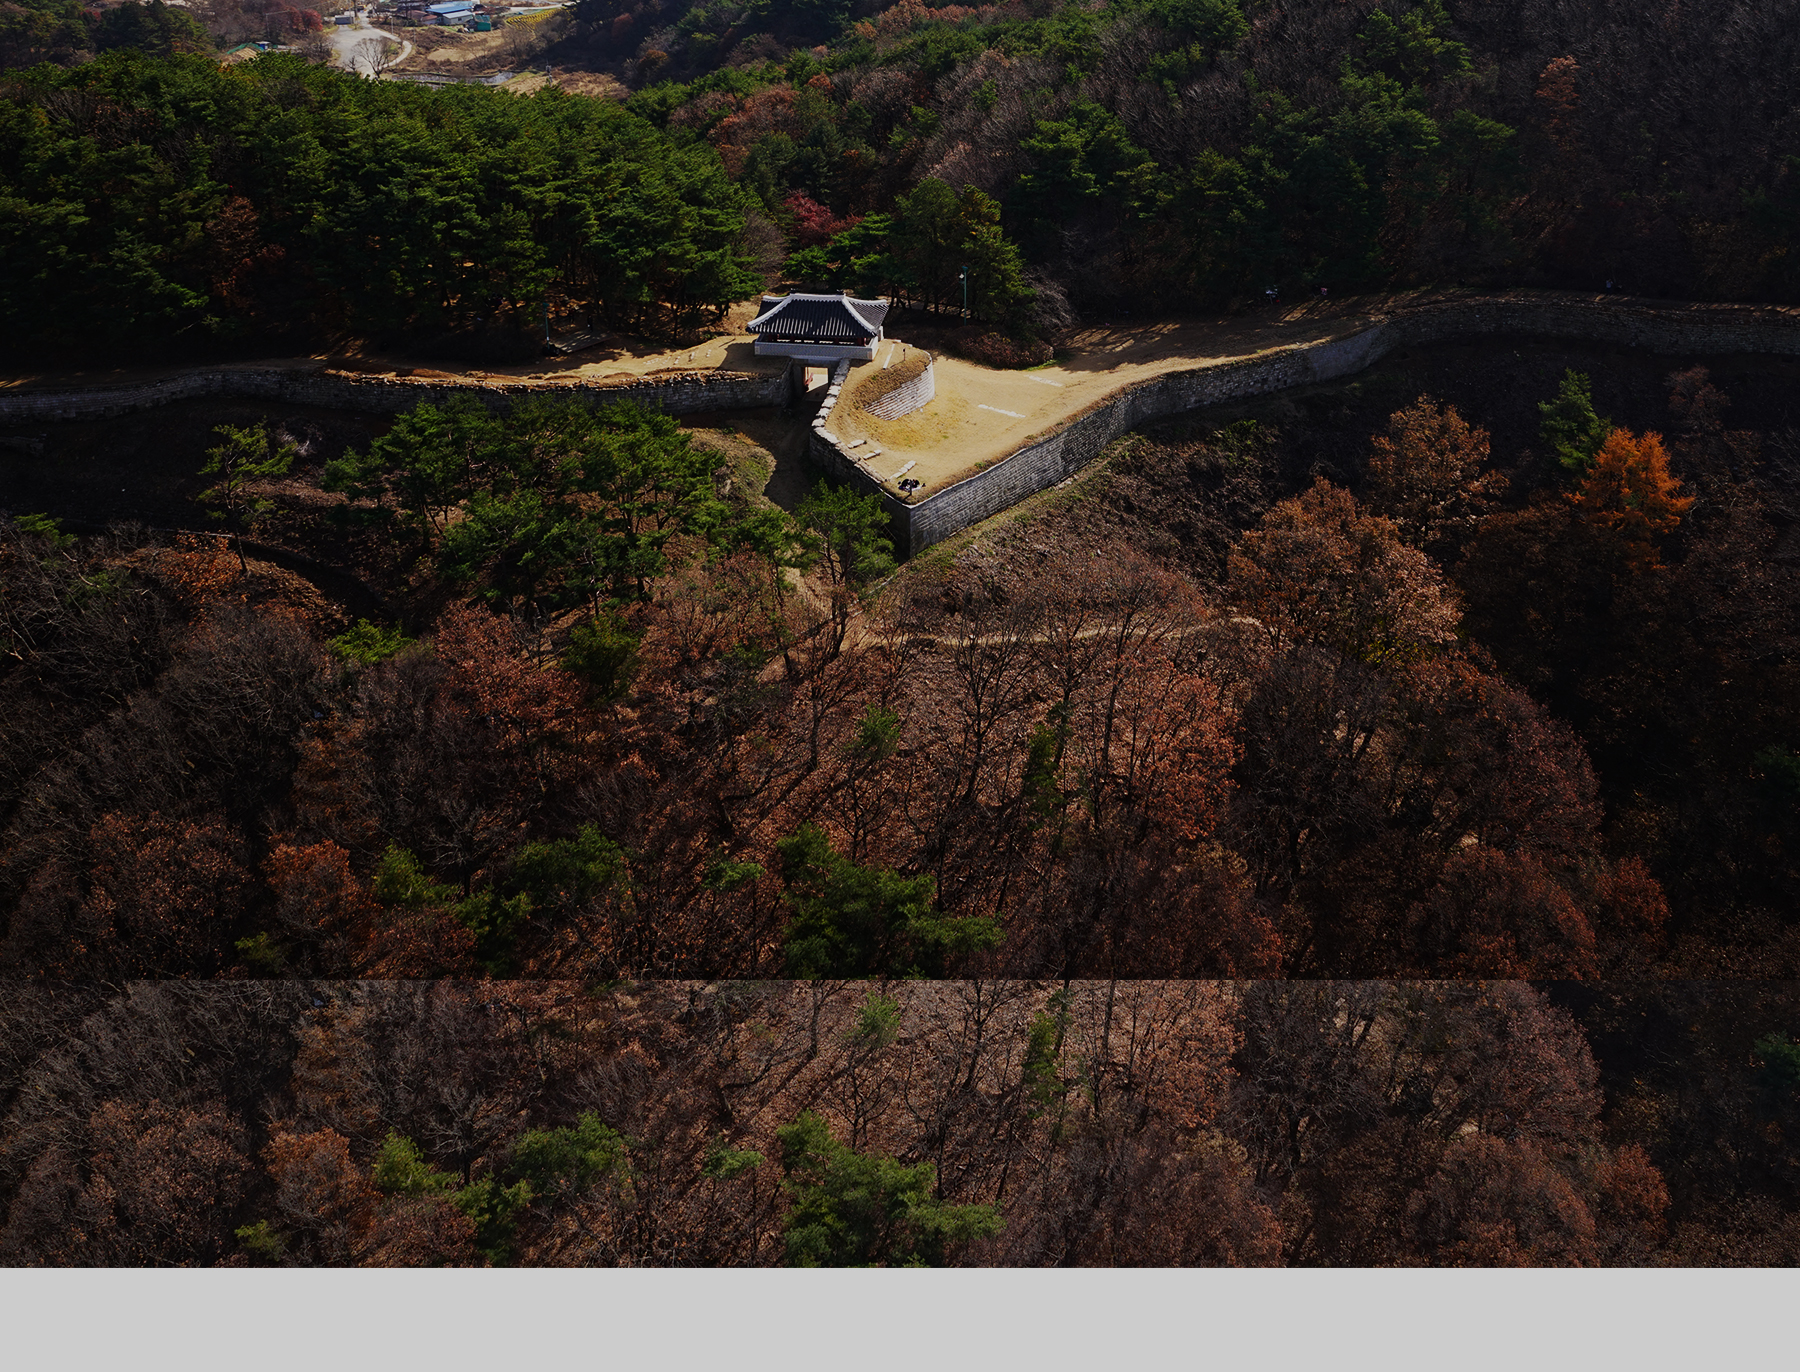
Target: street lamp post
{"type": "Point", "coordinates": [965, 286]}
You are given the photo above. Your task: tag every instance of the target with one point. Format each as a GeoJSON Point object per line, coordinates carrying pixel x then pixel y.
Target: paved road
{"type": "Point", "coordinates": [345, 39]}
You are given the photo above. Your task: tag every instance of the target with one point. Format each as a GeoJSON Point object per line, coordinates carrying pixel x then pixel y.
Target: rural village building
{"type": "Point", "coordinates": [821, 329]}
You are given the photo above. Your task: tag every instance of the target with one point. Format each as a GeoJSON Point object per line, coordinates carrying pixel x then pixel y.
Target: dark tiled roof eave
{"type": "Point", "coordinates": [874, 312]}
{"type": "Point", "coordinates": [819, 319]}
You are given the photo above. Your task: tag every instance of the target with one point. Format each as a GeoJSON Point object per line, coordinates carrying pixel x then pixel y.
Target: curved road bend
{"type": "Point", "coordinates": [345, 38]}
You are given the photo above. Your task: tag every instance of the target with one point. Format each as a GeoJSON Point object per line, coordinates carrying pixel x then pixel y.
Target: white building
{"type": "Point", "coordinates": [820, 329]}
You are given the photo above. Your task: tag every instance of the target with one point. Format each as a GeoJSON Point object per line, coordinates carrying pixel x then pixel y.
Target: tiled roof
{"type": "Point", "coordinates": [820, 318]}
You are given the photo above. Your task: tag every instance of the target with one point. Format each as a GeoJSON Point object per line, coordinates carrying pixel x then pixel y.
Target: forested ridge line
{"type": "Point", "coordinates": [1160, 156]}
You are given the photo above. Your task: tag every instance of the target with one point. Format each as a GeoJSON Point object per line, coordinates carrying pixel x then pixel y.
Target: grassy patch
{"type": "Point", "coordinates": [750, 464]}
{"type": "Point", "coordinates": [931, 426]}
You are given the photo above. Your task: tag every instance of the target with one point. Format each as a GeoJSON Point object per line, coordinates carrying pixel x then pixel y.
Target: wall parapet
{"type": "Point", "coordinates": [844, 463]}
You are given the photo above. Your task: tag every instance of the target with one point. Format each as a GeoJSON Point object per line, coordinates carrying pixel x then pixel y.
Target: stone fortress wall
{"type": "Point", "coordinates": [1671, 328]}
{"type": "Point", "coordinates": [675, 393]}
{"type": "Point", "coordinates": [1660, 327]}
{"type": "Point", "coordinates": [842, 462]}
{"type": "Point", "coordinates": [908, 395]}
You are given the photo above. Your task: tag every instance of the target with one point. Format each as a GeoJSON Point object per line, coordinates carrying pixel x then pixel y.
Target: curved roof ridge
{"type": "Point", "coordinates": [834, 316]}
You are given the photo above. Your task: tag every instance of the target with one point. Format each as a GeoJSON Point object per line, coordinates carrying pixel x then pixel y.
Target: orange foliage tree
{"type": "Point", "coordinates": [329, 1212]}
{"type": "Point", "coordinates": [1629, 487]}
{"type": "Point", "coordinates": [1320, 568]}
{"type": "Point", "coordinates": [142, 1184]}
{"type": "Point", "coordinates": [161, 891]}
{"type": "Point", "coordinates": [1426, 475]}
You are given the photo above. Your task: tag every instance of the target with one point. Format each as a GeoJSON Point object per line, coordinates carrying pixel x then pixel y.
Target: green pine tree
{"type": "Point", "coordinates": [851, 921]}
{"type": "Point", "coordinates": [1570, 427]}
{"type": "Point", "coordinates": [246, 457]}
{"type": "Point", "coordinates": [851, 1209]}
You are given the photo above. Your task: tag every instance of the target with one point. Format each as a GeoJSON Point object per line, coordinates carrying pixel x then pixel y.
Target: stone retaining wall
{"type": "Point", "coordinates": [845, 464]}
{"type": "Point", "coordinates": [1677, 329]}
{"type": "Point", "coordinates": [1690, 329]}
{"type": "Point", "coordinates": [834, 392]}
{"type": "Point", "coordinates": [675, 393]}
{"type": "Point", "coordinates": [908, 395]}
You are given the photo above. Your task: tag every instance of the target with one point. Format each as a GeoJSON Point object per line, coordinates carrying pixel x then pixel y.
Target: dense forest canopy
{"type": "Point", "coordinates": [1337, 686]}
{"type": "Point", "coordinates": [1411, 139]}
{"type": "Point", "coordinates": [65, 32]}
{"type": "Point", "coordinates": [168, 199]}
{"type": "Point", "coordinates": [853, 1123]}
{"type": "Point", "coordinates": [506, 833]}
{"type": "Point", "coordinates": [1158, 156]}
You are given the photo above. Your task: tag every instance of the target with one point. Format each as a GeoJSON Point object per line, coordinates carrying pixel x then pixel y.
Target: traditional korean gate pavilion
{"type": "Point", "coordinates": [820, 329]}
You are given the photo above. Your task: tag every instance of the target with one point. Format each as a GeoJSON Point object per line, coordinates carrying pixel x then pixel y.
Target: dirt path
{"type": "Point", "coordinates": [346, 42]}
{"type": "Point", "coordinates": [613, 356]}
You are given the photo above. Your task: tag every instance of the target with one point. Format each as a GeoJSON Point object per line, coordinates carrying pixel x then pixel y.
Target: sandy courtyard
{"type": "Point", "coordinates": [980, 415]}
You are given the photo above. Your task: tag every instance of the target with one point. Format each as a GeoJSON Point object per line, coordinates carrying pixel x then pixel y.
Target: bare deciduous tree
{"type": "Point", "coordinates": [373, 54]}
